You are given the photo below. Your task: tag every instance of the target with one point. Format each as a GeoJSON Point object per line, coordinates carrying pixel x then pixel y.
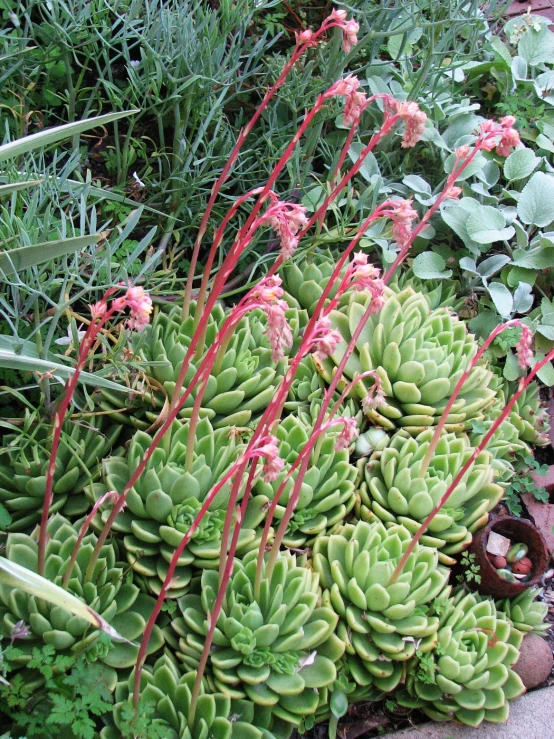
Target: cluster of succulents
{"type": "Point", "coordinates": [467, 676]}
{"type": "Point", "coordinates": [23, 468]}
{"type": "Point", "coordinates": [167, 498]}
{"type": "Point", "coordinates": [380, 623]}
{"type": "Point", "coordinates": [167, 692]}
{"type": "Point", "coordinates": [275, 646]}
{"type": "Point", "coordinates": [419, 355]}
{"type": "Point", "coordinates": [106, 589]}
{"type": "Point", "coordinates": [393, 489]}
{"type": "Point", "coordinates": [324, 622]}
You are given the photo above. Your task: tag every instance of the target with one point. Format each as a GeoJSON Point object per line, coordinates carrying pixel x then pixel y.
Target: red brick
{"type": "Point", "coordinates": [545, 481]}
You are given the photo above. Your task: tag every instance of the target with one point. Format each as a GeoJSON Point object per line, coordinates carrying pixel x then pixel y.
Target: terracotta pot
{"type": "Point", "coordinates": [517, 530]}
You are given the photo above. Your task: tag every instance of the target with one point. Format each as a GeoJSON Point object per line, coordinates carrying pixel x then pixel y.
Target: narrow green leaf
{"type": "Point", "coordinates": [24, 257]}
{"type": "Point", "coordinates": [15, 186]}
{"type": "Point", "coordinates": [57, 133]}
{"type": "Point", "coordinates": [12, 358]}
{"type": "Point", "coordinates": [15, 576]}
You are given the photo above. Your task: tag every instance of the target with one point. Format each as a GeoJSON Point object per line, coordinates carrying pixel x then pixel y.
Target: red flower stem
{"type": "Point", "coordinates": [463, 162]}
{"type": "Point", "coordinates": [222, 591]}
{"type": "Point", "coordinates": [220, 283]}
{"type": "Point", "coordinates": [236, 468]}
{"type": "Point", "coordinates": [298, 51]}
{"type": "Point", "coordinates": [82, 532]}
{"type": "Point", "coordinates": [243, 135]}
{"type": "Point", "coordinates": [523, 383]}
{"type": "Point", "coordinates": [442, 421]}
{"type": "Point", "coordinates": [241, 238]}
{"type": "Point", "coordinates": [201, 374]}
{"type": "Point", "coordinates": [71, 383]}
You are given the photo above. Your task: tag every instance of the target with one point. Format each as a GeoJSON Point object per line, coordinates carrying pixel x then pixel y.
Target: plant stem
{"type": "Point", "coordinates": [523, 383]}
{"type": "Point", "coordinates": [459, 385]}
{"type": "Point", "coordinates": [57, 423]}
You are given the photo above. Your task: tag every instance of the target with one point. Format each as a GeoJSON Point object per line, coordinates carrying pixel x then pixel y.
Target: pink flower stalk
{"type": "Point", "coordinates": [278, 330]}
{"type": "Point", "coordinates": [500, 135]}
{"type": "Point", "coordinates": [349, 433]}
{"type": "Point", "coordinates": [402, 215]}
{"type": "Point", "coordinates": [266, 295]}
{"type": "Point", "coordinates": [524, 352]}
{"type": "Point", "coordinates": [140, 306]}
{"type": "Point", "coordinates": [375, 397]}
{"type": "Point", "coordinates": [267, 448]}
{"type": "Point", "coordinates": [324, 339]}
{"type": "Point", "coordinates": [286, 219]}
{"type": "Point", "coordinates": [101, 313]}
{"type": "Point", "coordinates": [355, 99]}
{"type": "Point", "coordinates": [304, 41]}
{"type": "Point", "coordinates": [453, 192]}
{"type": "Point", "coordinates": [363, 276]}
{"type": "Point", "coordinates": [414, 120]}
{"type": "Point", "coordinates": [349, 28]}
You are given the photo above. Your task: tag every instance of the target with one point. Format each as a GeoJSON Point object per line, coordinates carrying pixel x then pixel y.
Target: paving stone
{"type": "Point", "coordinates": [539, 7]}
{"type": "Point", "coordinates": [531, 717]}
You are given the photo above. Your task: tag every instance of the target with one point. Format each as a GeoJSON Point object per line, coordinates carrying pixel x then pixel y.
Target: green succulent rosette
{"type": "Point", "coordinates": [327, 493]}
{"type": "Point", "coordinates": [526, 612]}
{"type": "Point", "coordinates": [438, 293]}
{"type": "Point", "coordinates": [306, 277]}
{"type": "Point", "coordinates": [307, 391]}
{"type": "Point", "coordinates": [381, 624]}
{"type": "Point", "coordinates": [276, 647]}
{"type": "Point", "coordinates": [166, 499]}
{"type": "Point", "coordinates": [392, 490]}
{"type": "Point", "coordinates": [529, 414]}
{"type": "Point", "coordinates": [468, 676]}
{"type": "Point", "coordinates": [419, 355]}
{"type": "Point", "coordinates": [167, 693]}
{"type": "Point", "coordinates": [24, 464]}
{"type": "Point", "coordinates": [110, 591]}
{"type": "Point", "coordinates": [243, 379]}
{"type": "Point", "coordinates": [504, 446]}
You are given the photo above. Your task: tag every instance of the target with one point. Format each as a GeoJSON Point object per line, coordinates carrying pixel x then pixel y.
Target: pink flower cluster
{"type": "Point", "coordinates": [524, 352]}
{"type": "Point", "coordinates": [349, 28]}
{"type": "Point", "coordinates": [349, 433]}
{"type": "Point", "coordinates": [140, 305]}
{"type": "Point", "coordinates": [136, 299]}
{"type": "Point", "coordinates": [402, 215]}
{"type": "Point", "coordinates": [268, 295]}
{"type": "Point", "coordinates": [362, 275]}
{"type": "Point", "coordinates": [502, 135]}
{"type": "Point", "coordinates": [324, 339]}
{"type": "Point", "coordinates": [375, 397]}
{"type": "Point", "coordinates": [414, 120]}
{"type": "Point", "coordinates": [356, 100]}
{"type": "Point", "coordinates": [286, 219]}
{"type": "Point", "coordinates": [267, 447]}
